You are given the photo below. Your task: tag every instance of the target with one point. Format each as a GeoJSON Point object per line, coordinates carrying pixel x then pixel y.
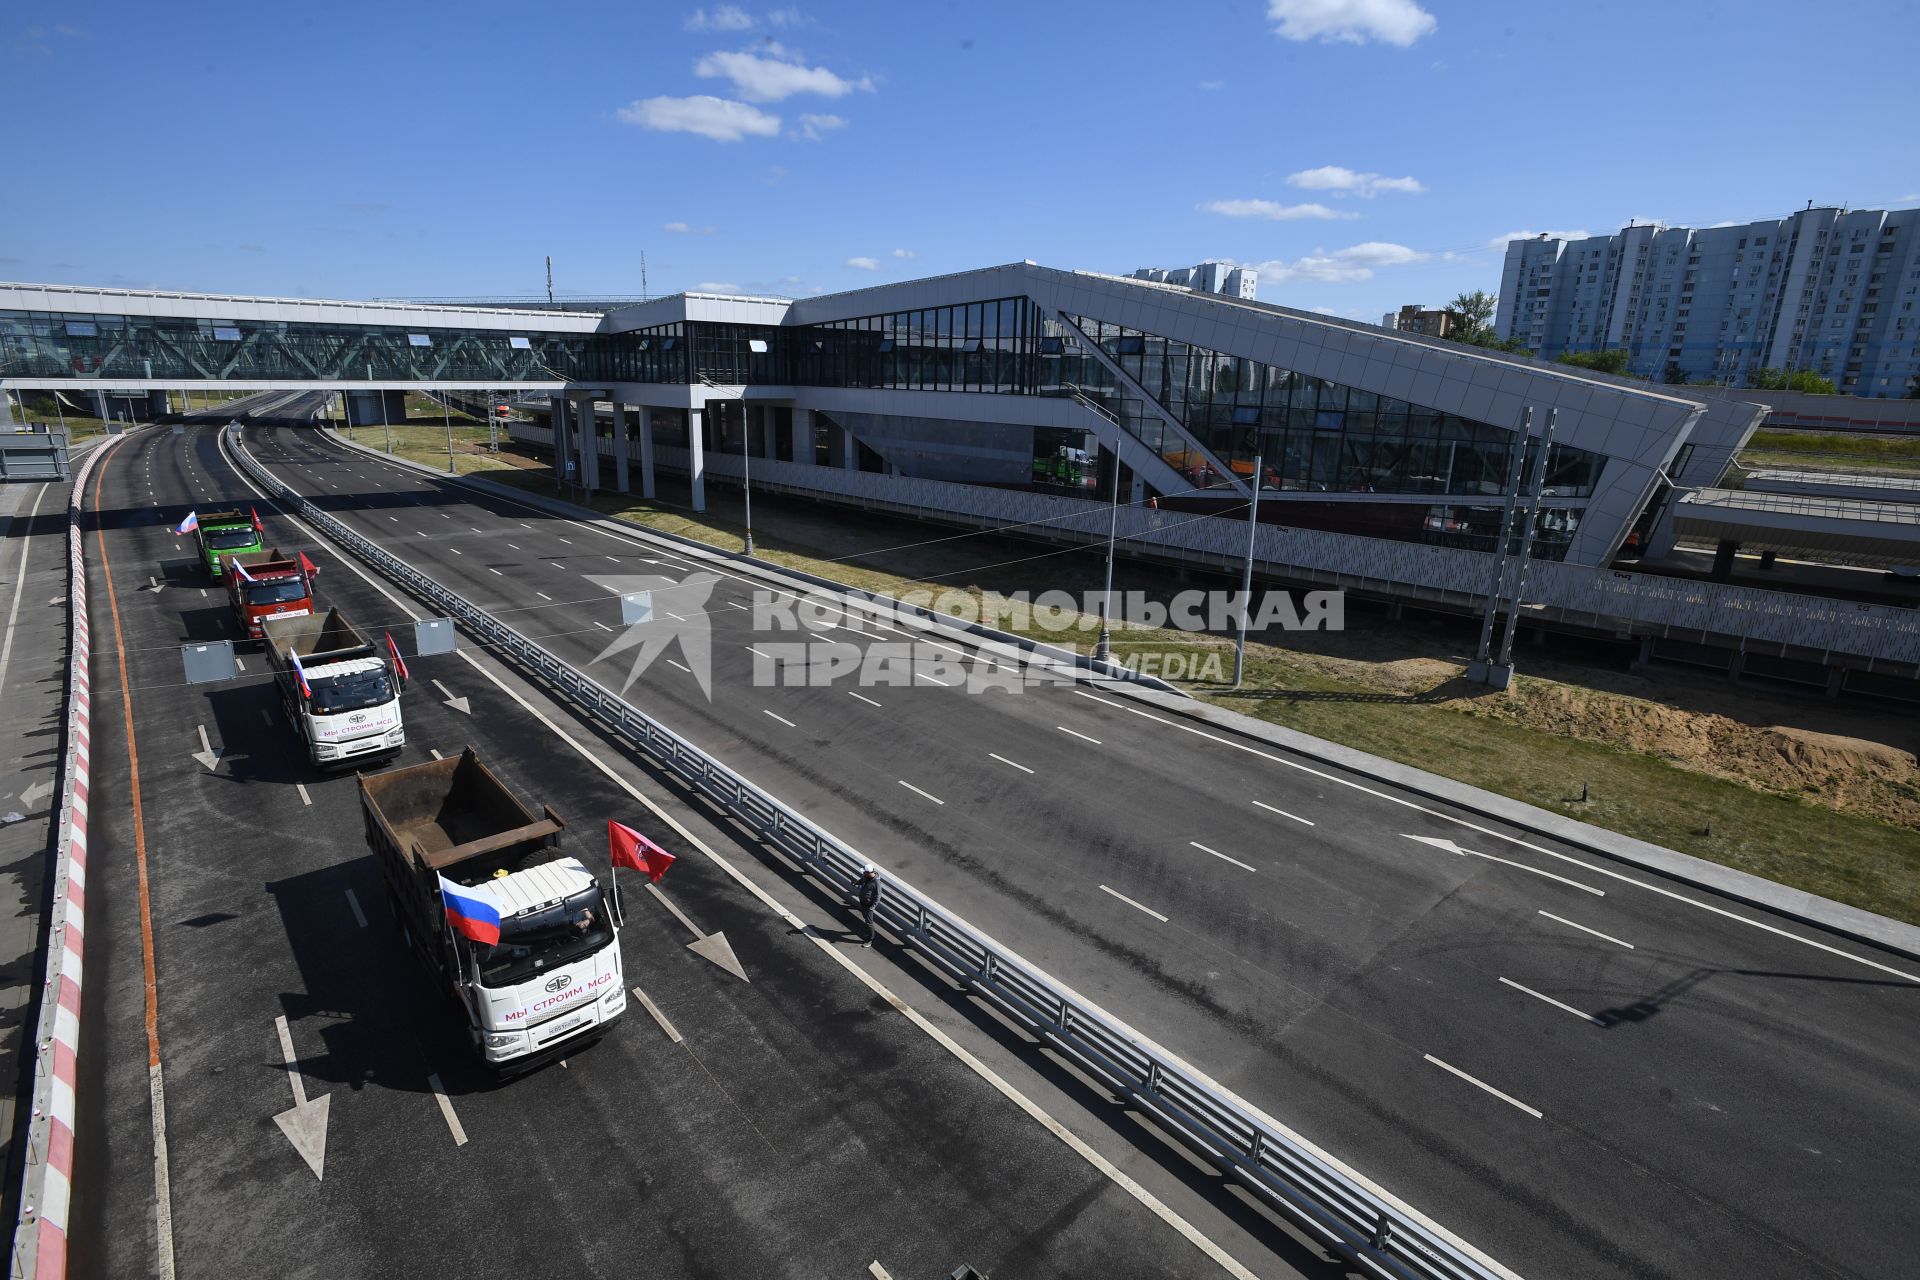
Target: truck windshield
{"type": "Point", "coordinates": [277, 592]}
{"type": "Point", "coordinates": [230, 539]}
{"type": "Point", "coordinates": [544, 940]}
{"type": "Point", "coordinates": [335, 695]}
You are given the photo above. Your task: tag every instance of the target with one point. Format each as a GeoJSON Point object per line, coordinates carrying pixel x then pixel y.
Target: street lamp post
{"type": "Point", "coordinates": [1246, 576]}
{"type": "Point", "coordinates": [746, 476]}
{"type": "Point", "coordinates": [446, 416]}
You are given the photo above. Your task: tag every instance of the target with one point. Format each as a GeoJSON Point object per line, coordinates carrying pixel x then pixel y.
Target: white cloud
{"type": "Point", "coordinates": [1500, 242]}
{"type": "Point", "coordinates": [1342, 266]}
{"type": "Point", "coordinates": [1332, 177]}
{"type": "Point", "coordinates": [815, 127]}
{"type": "Point", "coordinates": [1271, 210]}
{"type": "Point", "coordinates": [683, 229]}
{"type": "Point", "coordinates": [716, 286]}
{"type": "Point", "coordinates": [1211, 85]}
{"type": "Point", "coordinates": [788, 17]}
{"type": "Point", "coordinates": [1910, 198]}
{"type": "Point", "coordinates": [905, 253]}
{"type": "Point", "coordinates": [721, 119]}
{"type": "Point", "coordinates": [779, 75]}
{"type": "Point", "coordinates": [864, 264]}
{"type": "Point", "coordinates": [1398, 22]}
{"type": "Point", "coordinates": [725, 18]}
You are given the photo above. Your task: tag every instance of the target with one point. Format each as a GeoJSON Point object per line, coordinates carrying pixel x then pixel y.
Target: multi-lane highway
{"type": "Point", "coordinates": [790, 1124]}
{"type": "Point", "coordinates": [1582, 1068]}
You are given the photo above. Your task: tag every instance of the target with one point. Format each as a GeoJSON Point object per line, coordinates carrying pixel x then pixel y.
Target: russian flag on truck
{"type": "Point", "coordinates": [470, 917]}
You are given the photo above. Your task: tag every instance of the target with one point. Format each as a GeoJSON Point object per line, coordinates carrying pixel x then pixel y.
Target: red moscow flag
{"type": "Point", "coordinates": [257, 526]}
{"type": "Point", "coordinates": [308, 567]}
{"type": "Point", "coordinates": [628, 848]}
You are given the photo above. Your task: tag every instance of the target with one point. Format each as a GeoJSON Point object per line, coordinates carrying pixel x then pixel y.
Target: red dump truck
{"type": "Point", "coordinates": [267, 585]}
{"type": "Point", "coordinates": [513, 928]}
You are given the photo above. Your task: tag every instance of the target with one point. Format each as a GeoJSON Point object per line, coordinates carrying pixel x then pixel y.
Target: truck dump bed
{"type": "Point", "coordinates": [443, 813]}
{"type": "Point", "coordinates": [315, 633]}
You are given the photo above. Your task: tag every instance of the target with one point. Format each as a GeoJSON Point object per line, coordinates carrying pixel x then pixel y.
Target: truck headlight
{"type": "Point", "coordinates": [326, 750]}
{"type": "Point", "coordinates": [614, 998]}
{"type": "Point", "coordinates": [503, 1041]}
{"type": "Point", "coordinates": [398, 738]}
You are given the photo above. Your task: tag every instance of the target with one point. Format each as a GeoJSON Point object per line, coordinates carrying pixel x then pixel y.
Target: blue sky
{"type": "Point", "coordinates": [1367, 153]}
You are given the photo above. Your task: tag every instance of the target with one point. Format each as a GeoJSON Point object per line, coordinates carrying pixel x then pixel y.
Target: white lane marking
{"type": "Point", "coordinates": [1582, 928]}
{"type": "Point", "coordinates": [239, 664]}
{"type": "Point", "coordinates": [446, 1109]}
{"type": "Point", "coordinates": [1015, 763]}
{"type": "Point", "coordinates": [737, 605]}
{"type": "Point", "coordinates": [863, 697]}
{"type": "Point", "coordinates": [782, 719]}
{"type": "Point", "coordinates": [1451, 847]}
{"type": "Point", "coordinates": [1525, 844]}
{"type": "Point", "coordinates": [435, 751]}
{"type": "Point", "coordinates": [203, 593]}
{"type": "Point", "coordinates": [1283, 813]}
{"type": "Point", "coordinates": [445, 516]}
{"type": "Point", "coordinates": [358, 915]}
{"type": "Point", "coordinates": [750, 649]}
{"type": "Point", "coordinates": [511, 546]}
{"type": "Point", "coordinates": [603, 626]}
{"type": "Point", "coordinates": [162, 1175]}
{"type": "Point", "coordinates": [1076, 733]}
{"type": "Point", "coordinates": [931, 679]}
{"type": "Point", "coordinates": [917, 791]}
{"type": "Point", "coordinates": [1444, 1066]}
{"type": "Point", "coordinates": [543, 595]}
{"type": "Point", "coordinates": [266, 715]}
{"type": "Point", "coordinates": [1223, 857]}
{"type": "Point", "coordinates": [936, 644]}
{"type": "Point", "coordinates": [524, 525]}
{"type": "Point", "coordinates": [1578, 1013]}
{"type": "Point", "coordinates": [676, 617]}
{"type": "Point", "coordinates": [455, 550]}
{"type": "Point", "coordinates": [568, 541]}
{"type": "Point", "coordinates": [877, 1271]}
{"type": "Point", "coordinates": [301, 787]}
{"type": "Point", "coordinates": [474, 528]}
{"type": "Point", "coordinates": [1130, 902]}
{"type": "Point", "coordinates": [658, 1016]}
{"type": "Point", "coordinates": [615, 559]}
{"type": "Point", "coordinates": [687, 669]}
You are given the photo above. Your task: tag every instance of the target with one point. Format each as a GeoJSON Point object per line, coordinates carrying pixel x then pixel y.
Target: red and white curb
{"type": "Point", "coordinates": [46, 1186]}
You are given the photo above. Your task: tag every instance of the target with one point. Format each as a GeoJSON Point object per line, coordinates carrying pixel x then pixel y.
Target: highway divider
{"type": "Point", "coordinates": [46, 1180]}
{"type": "Point", "coordinates": [1378, 1233]}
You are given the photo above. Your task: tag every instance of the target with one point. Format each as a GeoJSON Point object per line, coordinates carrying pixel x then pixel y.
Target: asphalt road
{"type": "Point", "coordinates": [799, 1126]}
{"type": "Point", "coordinates": [1580, 1067]}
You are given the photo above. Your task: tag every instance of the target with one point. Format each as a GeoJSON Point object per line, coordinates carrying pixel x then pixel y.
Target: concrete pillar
{"type": "Point", "coordinates": [561, 449]}
{"type": "Point", "coordinates": [646, 452]}
{"type": "Point", "coordinates": [102, 409]}
{"type": "Point", "coordinates": [769, 433]}
{"type": "Point", "coordinates": [803, 436]}
{"type": "Point", "coordinates": [622, 477]}
{"type": "Point", "coordinates": [1644, 655]}
{"type": "Point", "coordinates": [1767, 558]}
{"type": "Point", "coordinates": [373, 408]}
{"type": "Point", "coordinates": [1836, 681]}
{"type": "Point", "coordinates": [1723, 560]}
{"type": "Point", "coordinates": [6, 410]}
{"type": "Point", "coordinates": [849, 448]}
{"type": "Point", "coordinates": [1736, 665]}
{"type": "Point", "coordinates": [696, 459]}
{"type": "Point", "coordinates": [157, 405]}
{"type": "Point", "coordinates": [588, 432]}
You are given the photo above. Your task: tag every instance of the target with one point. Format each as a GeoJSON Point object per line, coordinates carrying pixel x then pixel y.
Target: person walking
{"type": "Point", "coordinates": [866, 895]}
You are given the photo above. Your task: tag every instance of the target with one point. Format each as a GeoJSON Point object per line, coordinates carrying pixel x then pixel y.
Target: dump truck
{"type": "Point", "coordinates": [340, 691]}
{"type": "Point", "coordinates": [269, 585]}
{"type": "Point", "coordinates": [226, 533]}
{"type": "Point", "coordinates": [514, 929]}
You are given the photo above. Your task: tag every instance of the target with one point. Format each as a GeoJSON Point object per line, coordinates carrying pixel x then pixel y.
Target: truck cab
{"type": "Point", "coordinates": [268, 585]}
{"type": "Point", "coordinates": [223, 534]}
{"type": "Point", "coordinates": [340, 691]}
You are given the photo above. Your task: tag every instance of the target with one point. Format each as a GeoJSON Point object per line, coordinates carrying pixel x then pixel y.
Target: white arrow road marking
{"type": "Point", "coordinates": [709, 946]}
{"type": "Point", "coordinates": [206, 755]}
{"type": "Point", "coordinates": [458, 704]}
{"type": "Point", "coordinates": [305, 1125]}
{"type": "Point", "coordinates": [34, 794]}
{"type": "Point", "coordinates": [154, 584]}
{"type": "Point", "coordinates": [1451, 847]}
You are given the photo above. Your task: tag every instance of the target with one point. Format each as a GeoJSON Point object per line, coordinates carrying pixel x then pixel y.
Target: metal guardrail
{"type": "Point", "coordinates": [1379, 1234]}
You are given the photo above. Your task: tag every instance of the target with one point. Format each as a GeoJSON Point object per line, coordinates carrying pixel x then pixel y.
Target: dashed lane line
{"type": "Point", "coordinates": [863, 697]}
{"type": "Point", "coordinates": [782, 719]}
{"type": "Point", "coordinates": [1283, 813]}
{"type": "Point", "coordinates": [1223, 857]}
{"type": "Point", "coordinates": [359, 916]}
{"type": "Point", "coordinates": [1582, 928]}
{"type": "Point", "coordinates": [658, 1016]}
{"type": "Point", "coordinates": [1076, 733]}
{"type": "Point", "coordinates": [1135, 905]}
{"type": "Point", "coordinates": [917, 791]}
{"type": "Point", "coordinates": [1567, 1008]}
{"type": "Point", "coordinates": [1482, 1084]}
{"type": "Point", "coordinates": [1015, 763]}
{"type": "Point", "coordinates": [446, 1109]}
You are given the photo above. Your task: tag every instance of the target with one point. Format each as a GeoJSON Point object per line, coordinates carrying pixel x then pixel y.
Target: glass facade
{"type": "Point", "coordinates": [1315, 435]}
{"type": "Point", "coordinates": [37, 344]}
